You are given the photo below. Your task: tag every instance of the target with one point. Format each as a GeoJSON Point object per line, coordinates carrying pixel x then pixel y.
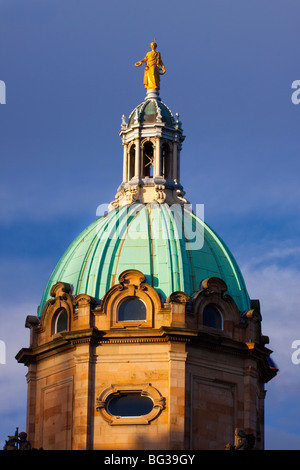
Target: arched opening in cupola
{"type": "Point", "coordinates": [148, 159]}
{"type": "Point", "coordinates": [166, 161]}
{"type": "Point", "coordinates": [131, 161]}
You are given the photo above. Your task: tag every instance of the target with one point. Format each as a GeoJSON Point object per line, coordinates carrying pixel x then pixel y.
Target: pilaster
{"type": "Point", "coordinates": [177, 366]}
{"type": "Point", "coordinates": [84, 397]}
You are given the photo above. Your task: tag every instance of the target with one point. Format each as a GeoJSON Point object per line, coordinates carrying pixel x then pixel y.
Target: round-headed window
{"type": "Point", "coordinates": [212, 317]}
{"type": "Point", "coordinates": [132, 309]}
{"type": "Point", "coordinates": [60, 321]}
{"type": "Point", "coordinates": [129, 404]}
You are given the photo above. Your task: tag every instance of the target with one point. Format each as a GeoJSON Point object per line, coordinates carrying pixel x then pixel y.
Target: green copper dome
{"type": "Point", "coordinates": [148, 112]}
{"type": "Point", "coordinates": [149, 238]}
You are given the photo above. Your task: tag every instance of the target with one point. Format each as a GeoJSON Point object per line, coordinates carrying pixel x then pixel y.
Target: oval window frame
{"type": "Point", "coordinates": [143, 389]}
{"type": "Point", "coordinates": [133, 395]}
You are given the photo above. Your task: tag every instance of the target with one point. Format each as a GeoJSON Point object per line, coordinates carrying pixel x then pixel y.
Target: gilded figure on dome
{"type": "Point", "coordinates": [153, 69]}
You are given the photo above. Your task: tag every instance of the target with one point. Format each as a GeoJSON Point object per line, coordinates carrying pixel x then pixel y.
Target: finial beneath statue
{"type": "Point", "coordinates": [153, 69]}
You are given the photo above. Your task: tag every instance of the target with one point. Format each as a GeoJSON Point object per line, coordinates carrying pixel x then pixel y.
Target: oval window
{"type": "Point", "coordinates": [130, 404]}
{"type": "Point", "coordinates": [132, 308]}
{"type": "Point", "coordinates": [212, 317]}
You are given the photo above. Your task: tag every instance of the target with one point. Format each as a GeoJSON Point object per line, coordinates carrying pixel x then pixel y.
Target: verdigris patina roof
{"type": "Point", "coordinates": [150, 111]}
{"type": "Point", "coordinates": [148, 237]}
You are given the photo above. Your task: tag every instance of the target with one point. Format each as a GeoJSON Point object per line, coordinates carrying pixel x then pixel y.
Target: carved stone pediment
{"type": "Point", "coordinates": [60, 289]}
{"type": "Point", "coordinates": [132, 277]}
{"type": "Point", "coordinates": [62, 299]}
{"type": "Point", "coordinates": [213, 293]}
{"type": "Point", "coordinates": [84, 300]}
{"type": "Point", "coordinates": [132, 283]}
{"type": "Point", "coordinates": [178, 297]}
{"type": "Point", "coordinates": [213, 285]}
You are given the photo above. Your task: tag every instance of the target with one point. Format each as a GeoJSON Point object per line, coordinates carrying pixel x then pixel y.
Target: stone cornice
{"type": "Point", "coordinates": [92, 336]}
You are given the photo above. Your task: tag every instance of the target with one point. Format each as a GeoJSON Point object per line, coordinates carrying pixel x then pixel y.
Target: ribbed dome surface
{"type": "Point", "coordinates": [147, 238]}
{"type": "Point", "coordinates": [148, 113]}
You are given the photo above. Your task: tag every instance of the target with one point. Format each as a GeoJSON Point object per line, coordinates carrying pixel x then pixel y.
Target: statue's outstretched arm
{"type": "Point", "coordinates": [138, 64]}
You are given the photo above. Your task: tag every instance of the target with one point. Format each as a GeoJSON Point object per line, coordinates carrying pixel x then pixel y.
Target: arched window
{"type": "Point", "coordinates": [132, 309]}
{"type": "Point", "coordinates": [212, 317]}
{"type": "Point", "coordinates": [131, 162]}
{"type": "Point", "coordinates": [148, 157]}
{"type": "Point", "coordinates": [166, 161]}
{"type": "Point", "coordinates": [60, 321]}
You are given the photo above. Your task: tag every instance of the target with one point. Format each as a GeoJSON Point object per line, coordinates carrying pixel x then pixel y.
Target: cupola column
{"type": "Point", "coordinates": [125, 163]}
{"type": "Point", "coordinates": [137, 169]}
{"type": "Point", "coordinates": [157, 163]}
{"type": "Point", "coordinates": [178, 164]}
{"type": "Point", "coordinates": [175, 156]}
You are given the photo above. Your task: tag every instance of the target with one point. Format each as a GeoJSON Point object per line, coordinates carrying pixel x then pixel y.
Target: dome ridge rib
{"type": "Point", "coordinates": [178, 252]}
{"type": "Point", "coordinates": [175, 282]}
{"type": "Point", "coordinates": [129, 219]}
{"type": "Point", "coordinates": [188, 280]}
{"type": "Point", "coordinates": [109, 277]}
{"type": "Point", "coordinates": [151, 250]}
{"type": "Point", "coordinates": [99, 234]}
{"type": "Point", "coordinates": [82, 272]}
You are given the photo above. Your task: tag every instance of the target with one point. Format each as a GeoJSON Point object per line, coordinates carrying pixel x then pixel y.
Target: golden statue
{"type": "Point", "coordinates": [153, 69]}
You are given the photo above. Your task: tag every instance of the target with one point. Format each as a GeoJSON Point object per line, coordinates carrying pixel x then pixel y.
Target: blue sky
{"type": "Point", "coordinates": [69, 75]}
